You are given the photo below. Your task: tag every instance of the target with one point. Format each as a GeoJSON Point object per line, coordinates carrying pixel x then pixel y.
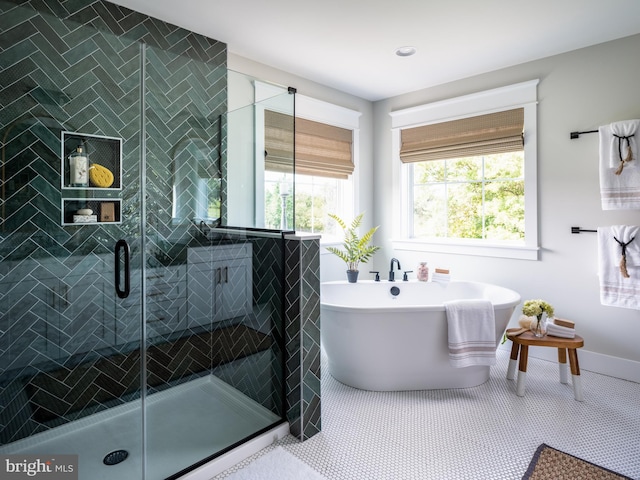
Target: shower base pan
{"type": "Point", "coordinates": [184, 425]}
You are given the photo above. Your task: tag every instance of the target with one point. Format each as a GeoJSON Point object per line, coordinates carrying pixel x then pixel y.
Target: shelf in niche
{"type": "Point", "coordinates": [101, 150]}
{"type": "Point", "coordinates": [70, 207]}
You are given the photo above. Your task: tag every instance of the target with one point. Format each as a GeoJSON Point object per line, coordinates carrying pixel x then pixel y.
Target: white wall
{"type": "Point", "coordinates": [579, 90]}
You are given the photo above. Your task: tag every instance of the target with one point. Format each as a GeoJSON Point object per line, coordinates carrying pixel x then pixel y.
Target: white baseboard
{"type": "Point", "coordinates": [591, 361]}
{"type": "Point", "coordinates": [235, 456]}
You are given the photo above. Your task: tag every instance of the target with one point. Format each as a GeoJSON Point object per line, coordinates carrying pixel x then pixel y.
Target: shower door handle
{"type": "Point", "coordinates": [122, 248]}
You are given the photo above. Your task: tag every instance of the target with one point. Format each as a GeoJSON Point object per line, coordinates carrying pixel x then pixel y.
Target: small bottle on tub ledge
{"type": "Point", "coordinates": [422, 272]}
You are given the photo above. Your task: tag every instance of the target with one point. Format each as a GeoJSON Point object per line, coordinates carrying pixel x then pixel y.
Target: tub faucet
{"type": "Point", "coordinates": [391, 274]}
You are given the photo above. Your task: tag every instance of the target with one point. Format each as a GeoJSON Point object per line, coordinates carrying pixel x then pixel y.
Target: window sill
{"type": "Point", "coordinates": [519, 252]}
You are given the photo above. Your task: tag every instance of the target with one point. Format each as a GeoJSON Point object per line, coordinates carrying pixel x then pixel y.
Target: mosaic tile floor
{"type": "Point", "coordinates": [486, 432]}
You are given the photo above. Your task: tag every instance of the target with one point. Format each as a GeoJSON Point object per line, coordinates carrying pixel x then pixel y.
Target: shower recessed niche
{"type": "Point", "coordinates": [90, 165]}
{"type": "Point", "coordinates": [75, 211]}
{"type": "Point", "coordinates": [88, 161]}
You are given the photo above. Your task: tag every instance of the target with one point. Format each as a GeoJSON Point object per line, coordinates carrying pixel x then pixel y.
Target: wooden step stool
{"type": "Point", "coordinates": [521, 344]}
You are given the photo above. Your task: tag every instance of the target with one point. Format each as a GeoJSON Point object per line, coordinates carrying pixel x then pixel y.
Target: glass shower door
{"type": "Point", "coordinates": [70, 346]}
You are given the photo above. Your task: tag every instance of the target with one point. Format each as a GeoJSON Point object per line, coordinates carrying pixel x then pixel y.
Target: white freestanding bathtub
{"type": "Point", "coordinates": [376, 339]}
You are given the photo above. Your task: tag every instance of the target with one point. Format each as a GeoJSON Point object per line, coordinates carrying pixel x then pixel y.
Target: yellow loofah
{"type": "Point", "coordinates": [100, 176]}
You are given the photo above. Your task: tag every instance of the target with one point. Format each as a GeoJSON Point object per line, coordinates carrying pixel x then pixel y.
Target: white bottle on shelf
{"type": "Point", "coordinates": [78, 169]}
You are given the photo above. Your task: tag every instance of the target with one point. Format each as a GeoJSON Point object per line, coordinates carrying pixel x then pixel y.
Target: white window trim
{"type": "Point", "coordinates": [505, 98]}
{"type": "Point", "coordinates": [331, 114]}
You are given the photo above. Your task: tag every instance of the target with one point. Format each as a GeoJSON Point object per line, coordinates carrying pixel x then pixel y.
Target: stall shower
{"type": "Point", "coordinates": [135, 331]}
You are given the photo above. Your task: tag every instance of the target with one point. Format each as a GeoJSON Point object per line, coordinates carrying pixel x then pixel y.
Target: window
{"type": "Point", "coordinates": [479, 197]}
{"type": "Point", "coordinates": [468, 174]}
{"type": "Point", "coordinates": [325, 164]}
{"type": "Point", "coordinates": [315, 197]}
{"type": "Point", "coordinates": [468, 177]}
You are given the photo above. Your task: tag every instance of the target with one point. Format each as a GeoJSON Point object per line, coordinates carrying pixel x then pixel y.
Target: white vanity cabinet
{"type": "Point", "coordinates": [29, 320]}
{"type": "Point", "coordinates": [219, 283]}
{"type": "Point", "coordinates": [79, 311]}
{"type": "Point", "coordinates": [57, 316]}
{"type": "Point", "coordinates": [86, 308]}
{"type": "Point", "coordinates": [166, 295]}
{"type": "Point", "coordinates": [166, 311]}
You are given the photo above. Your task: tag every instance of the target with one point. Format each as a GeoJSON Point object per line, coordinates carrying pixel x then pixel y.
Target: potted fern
{"type": "Point", "coordinates": [355, 249]}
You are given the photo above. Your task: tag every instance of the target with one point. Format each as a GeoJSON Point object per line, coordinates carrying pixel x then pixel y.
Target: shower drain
{"type": "Point", "coordinates": [115, 457]}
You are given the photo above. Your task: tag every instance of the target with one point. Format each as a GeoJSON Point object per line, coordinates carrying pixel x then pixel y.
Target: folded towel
{"type": "Point", "coordinates": [441, 277]}
{"type": "Point", "coordinates": [618, 191]}
{"type": "Point", "coordinates": [623, 142]}
{"type": "Point", "coordinates": [472, 335]}
{"type": "Point", "coordinates": [619, 282]}
{"type": "Point", "coordinates": [560, 331]}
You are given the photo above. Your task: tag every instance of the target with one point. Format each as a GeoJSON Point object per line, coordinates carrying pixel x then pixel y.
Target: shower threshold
{"type": "Point", "coordinates": [184, 425]}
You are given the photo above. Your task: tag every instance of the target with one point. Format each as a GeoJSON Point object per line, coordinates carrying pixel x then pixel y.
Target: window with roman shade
{"type": "Point", "coordinates": [320, 149]}
{"type": "Point", "coordinates": [488, 134]}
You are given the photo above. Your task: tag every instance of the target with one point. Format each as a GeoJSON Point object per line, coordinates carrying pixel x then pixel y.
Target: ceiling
{"type": "Point", "coordinates": [350, 44]}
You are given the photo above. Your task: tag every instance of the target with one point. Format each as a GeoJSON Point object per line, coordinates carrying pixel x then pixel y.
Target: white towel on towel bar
{"type": "Point", "coordinates": [472, 332]}
{"type": "Point", "coordinates": [633, 249]}
{"type": "Point", "coordinates": [615, 289]}
{"type": "Point", "coordinates": [617, 192]}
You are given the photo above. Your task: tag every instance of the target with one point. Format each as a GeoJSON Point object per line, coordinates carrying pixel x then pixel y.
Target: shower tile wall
{"type": "Point", "coordinates": [75, 66]}
{"type": "Point", "coordinates": [303, 335]}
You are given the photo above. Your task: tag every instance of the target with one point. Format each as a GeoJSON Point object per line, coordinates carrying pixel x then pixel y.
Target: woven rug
{"type": "Point", "coordinates": [551, 464]}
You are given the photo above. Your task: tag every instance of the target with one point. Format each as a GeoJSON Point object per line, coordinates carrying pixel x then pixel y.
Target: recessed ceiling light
{"type": "Point", "coordinates": [405, 51]}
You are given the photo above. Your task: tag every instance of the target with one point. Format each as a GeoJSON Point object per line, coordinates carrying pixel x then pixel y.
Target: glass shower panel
{"type": "Point", "coordinates": [70, 363]}
{"type": "Point", "coordinates": [213, 365]}
{"type": "Point", "coordinates": [223, 373]}
{"type": "Point", "coordinates": [183, 103]}
{"type": "Point", "coordinates": [257, 156]}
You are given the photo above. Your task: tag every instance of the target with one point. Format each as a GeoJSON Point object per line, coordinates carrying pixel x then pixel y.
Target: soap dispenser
{"type": "Point", "coordinates": [78, 168]}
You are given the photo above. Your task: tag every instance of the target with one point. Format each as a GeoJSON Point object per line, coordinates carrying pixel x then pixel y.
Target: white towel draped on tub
{"type": "Point", "coordinates": [619, 284]}
{"type": "Point", "coordinates": [472, 333]}
{"type": "Point", "coordinates": [620, 181]}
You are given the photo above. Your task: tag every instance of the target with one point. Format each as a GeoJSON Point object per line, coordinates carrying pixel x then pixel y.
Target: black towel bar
{"type": "Point", "coordinates": [580, 230]}
{"type": "Point", "coordinates": [574, 135]}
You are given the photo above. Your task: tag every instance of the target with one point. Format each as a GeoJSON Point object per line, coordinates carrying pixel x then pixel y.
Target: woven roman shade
{"type": "Point", "coordinates": [498, 132]}
{"type": "Point", "coordinates": [320, 149]}
{"type": "Point", "coordinates": [278, 142]}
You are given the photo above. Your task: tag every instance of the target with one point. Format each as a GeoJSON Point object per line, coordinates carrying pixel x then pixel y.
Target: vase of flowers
{"type": "Point", "coordinates": [536, 309]}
